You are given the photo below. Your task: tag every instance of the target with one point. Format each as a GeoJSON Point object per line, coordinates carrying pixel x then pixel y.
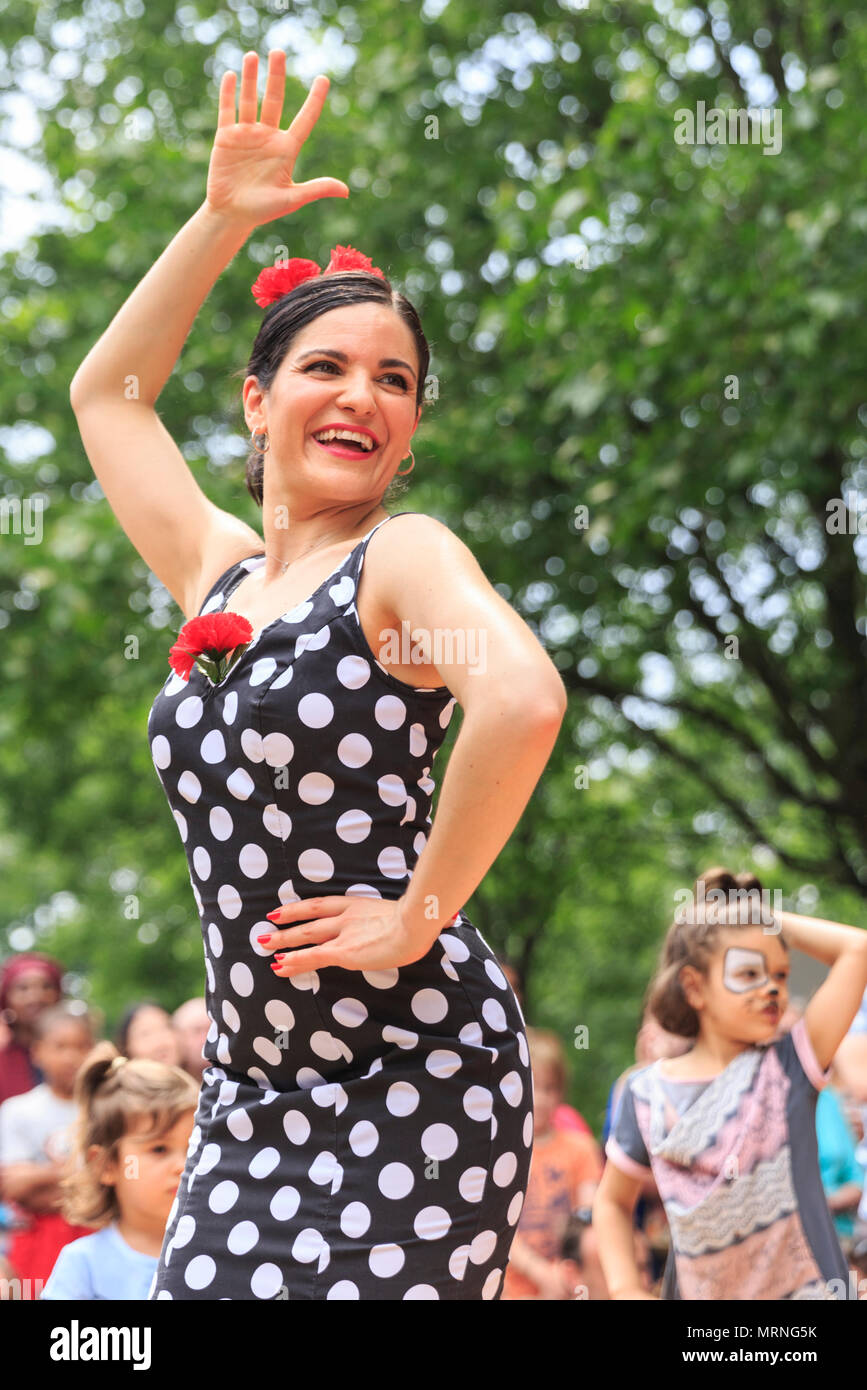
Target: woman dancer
{"type": "Point", "coordinates": [365, 1124]}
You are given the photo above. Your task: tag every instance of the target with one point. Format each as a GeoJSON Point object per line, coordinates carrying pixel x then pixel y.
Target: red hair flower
{"type": "Point", "coordinates": [207, 642]}
{"type": "Point", "coordinates": [276, 280]}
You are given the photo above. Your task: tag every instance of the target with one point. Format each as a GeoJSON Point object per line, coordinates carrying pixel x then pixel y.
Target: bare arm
{"type": "Point", "coordinates": [513, 698]}
{"type": "Point", "coordinates": [613, 1206]}
{"type": "Point", "coordinates": [830, 1012]}
{"type": "Point", "coordinates": [183, 537]}
{"type": "Point", "coordinates": [33, 1185]}
{"type": "Point", "coordinates": [850, 1060]}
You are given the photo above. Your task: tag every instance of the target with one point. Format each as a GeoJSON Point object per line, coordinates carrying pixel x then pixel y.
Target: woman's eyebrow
{"type": "Point", "coordinates": [342, 357]}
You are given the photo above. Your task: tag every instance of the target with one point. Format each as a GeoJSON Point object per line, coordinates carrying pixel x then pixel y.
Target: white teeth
{"type": "Point", "coordinates": [325, 437]}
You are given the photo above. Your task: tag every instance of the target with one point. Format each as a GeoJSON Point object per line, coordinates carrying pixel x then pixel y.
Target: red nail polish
{"type": "Point", "coordinates": [273, 915]}
{"type": "Point", "coordinates": [263, 939]}
{"type": "Point", "coordinates": [276, 964]}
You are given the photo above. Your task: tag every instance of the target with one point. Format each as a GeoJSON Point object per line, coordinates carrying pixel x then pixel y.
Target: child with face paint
{"type": "Point", "coordinates": [727, 1130]}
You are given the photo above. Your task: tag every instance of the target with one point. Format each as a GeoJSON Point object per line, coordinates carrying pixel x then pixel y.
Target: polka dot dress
{"type": "Point", "coordinates": [359, 1134]}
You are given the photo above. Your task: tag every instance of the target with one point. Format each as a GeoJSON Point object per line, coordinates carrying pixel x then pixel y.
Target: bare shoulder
{"type": "Point", "coordinates": [228, 540]}
{"type": "Point", "coordinates": [416, 555]}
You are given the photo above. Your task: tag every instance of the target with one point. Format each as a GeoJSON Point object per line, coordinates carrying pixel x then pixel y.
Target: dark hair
{"type": "Point", "coordinates": [129, 1017]}
{"type": "Point", "coordinates": [285, 319]}
{"type": "Point", "coordinates": [693, 938]}
{"type": "Point", "coordinates": [67, 1011]}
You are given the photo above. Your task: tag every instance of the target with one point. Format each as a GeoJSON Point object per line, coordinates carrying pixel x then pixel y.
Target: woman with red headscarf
{"type": "Point", "coordinates": [28, 984]}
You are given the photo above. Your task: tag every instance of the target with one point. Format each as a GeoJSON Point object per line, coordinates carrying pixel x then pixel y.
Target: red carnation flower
{"type": "Point", "coordinates": [277, 280]}
{"type": "Point", "coordinates": [347, 258]}
{"type": "Point", "coordinates": [207, 641]}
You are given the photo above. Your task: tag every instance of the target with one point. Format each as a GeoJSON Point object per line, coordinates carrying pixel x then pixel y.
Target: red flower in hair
{"type": "Point", "coordinates": [347, 258]}
{"type": "Point", "coordinates": [207, 641]}
{"type": "Point", "coordinates": [277, 280]}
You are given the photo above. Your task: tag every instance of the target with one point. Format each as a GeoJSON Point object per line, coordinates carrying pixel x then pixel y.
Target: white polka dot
{"type": "Point", "coordinates": [279, 1015]}
{"type": "Point", "coordinates": [494, 1015]}
{"type": "Point", "coordinates": [429, 1005]}
{"type": "Point", "coordinates": [392, 790]}
{"type": "Point", "coordinates": [344, 1289]}
{"type": "Point", "coordinates": [432, 1223]}
{"type": "Point", "coordinates": [161, 751]}
{"type": "Point", "coordinates": [215, 940]}
{"type": "Point", "coordinates": [268, 1050]}
{"type": "Point", "coordinates": [189, 787]}
{"type": "Point", "coordinates": [402, 1098]}
{"type": "Point", "coordinates": [239, 1125]}
{"type": "Point", "coordinates": [285, 1203]}
{"type": "Point", "coordinates": [386, 1260]}
{"type": "Point", "coordinates": [353, 826]}
{"type": "Point", "coordinates": [186, 1227]}
{"type": "Point", "coordinates": [351, 1013]}
{"type": "Point", "coordinates": [242, 1237]}
{"type": "Point", "coordinates": [263, 1163]}
{"type": "Point", "coordinates": [329, 1048]}
{"type": "Point", "coordinates": [402, 1037]}
{"type": "Point", "coordinates": [355, 1220]}
{"type": "Point", "coordinates": [262, 669]}
{"type": "Point", "coordinates": [420, 1291]}
{"type": "Point", "coordinates": [395, 1180]}
{"type": "Point", "coordinates": [471, 1033]}
{"type": "Point", "coordinates": [241, 979]}
{"type": "Point", "coordinates": [381, 979]}
{"type": "Point", "coordinates": [209, 1159]}
{"type": "Point", "coordinates": [251, 742]}
{"type": "Point", "coordinates": [354, 750]}
{"type": "Point", "coordinates": [343, 591]}
{"type": "Point", "coordinates": [213, 748]}
{"type": "Point", "coordinates": [297, 1126]}
{"type": "Point", "coordinates": [220, 822]}
{"type": "Point", "coordinates": [391, 862]}
{"type": "Point", "coordinates": [230, 707]}
{"type": "Point", "coordinates": [315, 865]}
{"type": "Point", "coordinates": [353, 672]}
{"type": "Point", "coordinates": [240, 784]}
{"type": "Point", "coordinates": [495, 973]}
{"type": "Point", "coordinates": [512, 1088]}
{"type": "Point", "coordinates": [223, 1196]}
{"type": "Point", "coordinates": [200, 1272]}
{"type": "Point", "coordinates": [189, 712]}
{"type": "Point", "coordinates": [389, 712]}
{"type": "Point", "coordinates": [523, 1050]}
{"type": "Point", "coordinates": [505, 1169]}
{"type": "Point", "coordinates": [315, 788]}
{"type": "Point", "coordinates": [443, 1062]}
{"type": "Point", "coordinates": [277, 822]}
{"type": "Point", "coordinates": [515, 1206]}
{"type": "Point", "coordinates": [458, 1261]}
{"type": "Point", "coordinates": [528, 1129]}
{"type": "Point", "coordinates": [278, 749]}
{"type": "Point", "coordinates": [491, 1284]}
{"type": "Point", "coordinates": [456, 949]}
{"type": "Point", "coordinates": [363, 1138]}
{"type": "Point", "coordinates": [231, 1016]}
{"type": "Point", "coordinates": [324, 1169]}
{"type": "Point", "coordinates": [439, 1141]}
{"type": "Point", "coordinates": [483, 1246]}
{"type": "Point", "coordinates": [201, 862]}
{"type": "Point", "coordinates": [471, 1184]}
{"type": "Point", "coordinates": [315, 710]}
{"type": "Point", "coordinates": [308, 1246]}
{"type": "Point", "coordinates": [253, 861]}
{"type": "Point", "coordinates": [267, 1281]}
{"type": "Point", "coordinates": [229, 900]}
{"type": "Point", "coordinates": [181, 823]}
{"type": "Point", "coordinates": [282, 680]}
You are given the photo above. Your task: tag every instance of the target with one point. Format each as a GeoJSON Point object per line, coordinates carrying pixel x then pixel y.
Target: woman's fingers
{"type": "Point", "coordinates": [309, 113]}
{"type": "Point", "coordinates": [249, 101]}
{"type": "Point", "coordinates": [275, 87]}
{"type": "Point", "coordinates": [226, 113]}
{"type": "Point", "coordinates": [303, 193]}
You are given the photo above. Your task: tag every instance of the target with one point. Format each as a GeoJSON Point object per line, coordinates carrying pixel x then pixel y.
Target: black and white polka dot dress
{"type": "Point", "coordinates": [359, 1134]}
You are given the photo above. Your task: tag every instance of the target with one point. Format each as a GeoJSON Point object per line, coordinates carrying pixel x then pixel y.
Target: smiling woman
{"type": "Point", "coordinates": [363, 1038]}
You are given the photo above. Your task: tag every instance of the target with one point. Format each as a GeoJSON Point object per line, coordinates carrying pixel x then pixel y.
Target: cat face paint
{"type": "Point", "coordinates": [744, 970]}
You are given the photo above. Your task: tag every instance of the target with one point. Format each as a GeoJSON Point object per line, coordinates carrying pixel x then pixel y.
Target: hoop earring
{"type": "Point", "coordinates": [402, 472]}
{"type": "Point", "coordinates": [254, 436]}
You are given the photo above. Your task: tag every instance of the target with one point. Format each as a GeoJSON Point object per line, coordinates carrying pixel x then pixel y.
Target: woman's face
{"type": "Point", "coordinates": [151, 1035]}
{"type": "Point", "coordinates": [30, 993]}
{"type": "Point", "coordinates": [374, 388]}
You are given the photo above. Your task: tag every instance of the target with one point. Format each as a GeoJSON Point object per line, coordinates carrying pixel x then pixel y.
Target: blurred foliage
{"type": "Point", "coordinates": [667, 335]}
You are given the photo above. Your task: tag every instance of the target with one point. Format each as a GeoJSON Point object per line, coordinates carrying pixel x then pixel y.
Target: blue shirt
{"type": "Point", "coordinates": [100, 1265]}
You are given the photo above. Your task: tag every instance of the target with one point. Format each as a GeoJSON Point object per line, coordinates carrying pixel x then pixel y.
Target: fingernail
{"type": "Point", "coordinates": [272, 916]}
{"type": "Point", "coordinates": [264, 939]}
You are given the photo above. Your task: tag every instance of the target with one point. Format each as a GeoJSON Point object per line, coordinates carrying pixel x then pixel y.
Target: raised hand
{"type": "Point", "coordinates": [250, 173]}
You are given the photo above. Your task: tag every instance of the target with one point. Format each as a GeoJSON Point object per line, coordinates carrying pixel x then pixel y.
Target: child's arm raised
{"type": "Point", "coordinates": [613, 1206]}
{"type": "Point", "coordinates": [829, 1014]}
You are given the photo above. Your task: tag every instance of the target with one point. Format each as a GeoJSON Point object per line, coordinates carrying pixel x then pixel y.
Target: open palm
{"type": "Point", "coordinates": [252, 162]}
